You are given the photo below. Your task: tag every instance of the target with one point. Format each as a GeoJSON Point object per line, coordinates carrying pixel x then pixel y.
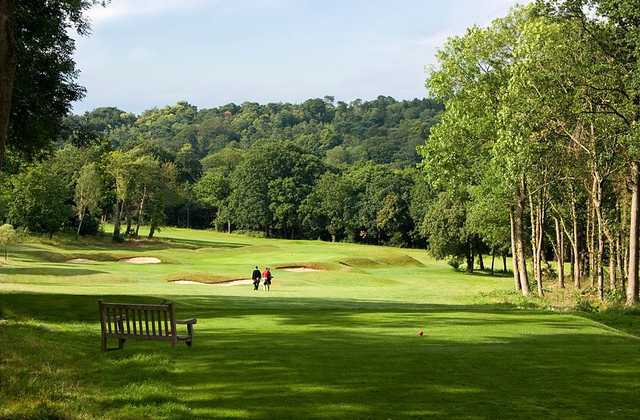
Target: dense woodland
{"type": "Point", "coordinates": [528, 145]}
{"type": "Point", "coordinates": [538, 146]}
{"type": "Point", "coordinates": [319, 169]}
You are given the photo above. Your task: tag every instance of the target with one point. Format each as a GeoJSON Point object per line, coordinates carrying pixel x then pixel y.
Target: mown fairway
{"type": "Point", "coordinates": [339, 343]}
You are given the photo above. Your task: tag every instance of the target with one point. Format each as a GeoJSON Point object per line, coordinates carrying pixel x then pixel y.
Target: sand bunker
{"type": "Point", "coordinates": [299, 269]}
{"type": "Point", "coordinates": [224, 283]}
{"type": "Point", "coordinates": [142, 260]}
{"type": "Point", "coordinates": [81, 261]}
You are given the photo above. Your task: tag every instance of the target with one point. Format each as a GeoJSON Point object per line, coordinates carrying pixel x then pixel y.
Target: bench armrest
{"type": "Point", "coordinates": [186, 321]}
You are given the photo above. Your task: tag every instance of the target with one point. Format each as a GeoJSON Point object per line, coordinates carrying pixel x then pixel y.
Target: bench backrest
{"type": "Point", "coordinates": [128, 320]}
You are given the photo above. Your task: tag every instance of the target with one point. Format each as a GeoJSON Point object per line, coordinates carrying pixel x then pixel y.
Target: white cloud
{"type": "Point", "coordinates": [125, 8]}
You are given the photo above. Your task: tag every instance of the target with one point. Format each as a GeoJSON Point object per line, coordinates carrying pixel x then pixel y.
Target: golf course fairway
{"type": "Point", "coordinates": [339, 339]}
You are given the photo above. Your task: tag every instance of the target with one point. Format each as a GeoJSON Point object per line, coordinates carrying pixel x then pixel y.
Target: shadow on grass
{"type": "Point", "coordinates": [47, 271]}
{"type": "Point", "coordinates": [497, 274]}
{"type": "Point", "coordinates": [108, 251]}
{"type": "Point", "coordinates": [104, 242]}
{"type": "Point", "coordinates": [329, 358]}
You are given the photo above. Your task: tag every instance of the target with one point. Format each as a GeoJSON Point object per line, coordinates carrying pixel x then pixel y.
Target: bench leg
{"type": "Point", "coordinates": [121, 342]}
{"type": "Point", "coordinates": [190, 332]}
{"type": "Point", "coordinates": [103, 343]}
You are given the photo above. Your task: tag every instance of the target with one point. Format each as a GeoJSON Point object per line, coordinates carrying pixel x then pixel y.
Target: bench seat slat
{"type": "Point", "coordinates": [137, 306]}
{"type": "Point", "coordinates": [140, 337]}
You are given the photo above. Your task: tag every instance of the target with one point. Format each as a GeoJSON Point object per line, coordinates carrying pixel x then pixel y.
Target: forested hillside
{"type": "Point", "coordinates": [318, 169]}
{"type": "Point", "coordinates": [382, 131]}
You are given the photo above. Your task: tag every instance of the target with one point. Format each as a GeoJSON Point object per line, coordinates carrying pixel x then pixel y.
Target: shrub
{"type": "Point", "coordinates": [615, 296]}
{"type": "Point", "coordinates": [584, 302]}
{"type": "Point", "coordinates": [252, 233]}
{"type": "Point", "coordinates": [90, 226]}
{"type": "Point", "coordinates": [455, 262]}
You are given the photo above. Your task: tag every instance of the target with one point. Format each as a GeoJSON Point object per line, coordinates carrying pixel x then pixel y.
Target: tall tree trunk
{"type": "Point", "coordinates": [599, 262]}
{"type": "Point", "coordinates": [140, 210]}
{"type": "Point", "coordinates": [596, 195]}
{"type": "Point", "coordinates": [634, 225]}
{"type": "Point", "coordinates": [504, 266]}
{"type": "Point", "coordinates": [613, 281]}
{"type": "Point", "coordinates": [559, 252]}
{"type": "Point", "coordinates": [575, 245]}
{"type": "Point", "coordinates": [8, 63]}
{"type": "Point", "coordinates": [591, 226]}
{"type": "Point", "coordinates": [469, 258]}
{"type": "Point", "coordinates": [493, 260]}
{"type": "Point", "coordinates": [620, 269]}
{"type": "Point", "coordinates": [514, 254]}
{"type": "Point", "coordinates": [574, 237]}
{"type": "Point", "coordinates": [536, 211]}
{"type": "Point", "coordinates": [80, 220]}
{"type": "Point", "coordinates": [519, 239]}
{"type": "Point", "coordinates": [480, 261]}
{"type": "Point", "coordinates": [573, 261]}
{"type": "Point", "coordinates": [117, 210]}
{"type": "Point", "coordinates": [129, 221]}
{"type": "Point", "coordinates": [619, 263]}
{"type": "Point", "coordinates": [152, 230]}
{"type": "Point", "coordinates": [622, 246]}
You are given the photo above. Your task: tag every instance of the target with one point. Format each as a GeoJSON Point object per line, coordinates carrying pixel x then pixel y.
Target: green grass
{"type": "Point", "coordinates": [339, 343]}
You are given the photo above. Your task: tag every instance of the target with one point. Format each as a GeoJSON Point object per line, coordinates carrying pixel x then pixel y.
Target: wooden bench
{"type": "Point", "coordinates": [124, 321]}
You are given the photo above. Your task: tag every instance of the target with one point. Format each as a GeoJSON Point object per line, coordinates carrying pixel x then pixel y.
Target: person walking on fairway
{"type": "Point", "coordinates": [255, 276]}
{"type": "Point", "coordinates": [266, 275]}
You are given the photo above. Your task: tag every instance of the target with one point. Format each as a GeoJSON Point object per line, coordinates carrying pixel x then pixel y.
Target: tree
{"type": "Point", "coordinates": [270, 184]}
{"type": "Point", "coordinates": [472, 74]}
{"type": "Point", "coordinates": [40, 200]}
{"type": "Point", "coordinates": [212, 190]}
{"type": "Point", "coordinates": [121, 168]}
{"type": "Point", "coordinates": [163, 192]}
{"type": "Point", "coordinates": [7, 69]}
{"type": "Point", "coordinates": [444, 228]}
{"type": "Point", "coordinates": [38, 73]}
{"type": "Point", "coordinates": [8, 236]}
{"type": "Point", "coordinates": [88, 193]}
{"type": "Point", "coordinates": [187, 164]}
{"type": "Point", "coordinates": [330, 207]}
{"type": "Point", "coordinates": [612, 27]}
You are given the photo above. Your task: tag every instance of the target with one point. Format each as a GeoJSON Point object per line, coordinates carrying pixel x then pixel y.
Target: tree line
{"type": "Point", "coordinates": [537, 150]}
{"type": "Point", "coordinates": [318, 169]}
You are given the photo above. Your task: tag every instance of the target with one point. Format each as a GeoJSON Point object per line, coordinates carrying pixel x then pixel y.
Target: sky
{"type": "Point", "coordinates": [152, 53]}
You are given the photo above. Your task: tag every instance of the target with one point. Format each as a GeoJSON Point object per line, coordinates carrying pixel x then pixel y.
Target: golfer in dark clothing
{"type": "Point", "coordinates": [255, 276]}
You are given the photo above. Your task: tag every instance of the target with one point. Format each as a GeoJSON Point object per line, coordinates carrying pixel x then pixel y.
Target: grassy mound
{"type": "Point", "coordinates": [308, 266]}
{"type": "Point", "coordinates": [381, 262]}
{"type": "Point", "coordinates": [202, 278]}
